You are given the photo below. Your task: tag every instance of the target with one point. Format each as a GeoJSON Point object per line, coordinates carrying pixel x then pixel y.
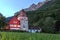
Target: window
{"type": "Point", "coordinates": [23, 26]}
{"type": "Point", "coordinates": [15, 21]}
{"type": "Point", "coordinates": [11, 25]}
{"type": "Point", "coordinates": [15, 25]}
{"type": "Point", "coordinates": [18, 25]}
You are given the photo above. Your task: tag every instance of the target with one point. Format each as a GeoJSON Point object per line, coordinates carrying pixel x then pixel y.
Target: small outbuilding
{"type": "Point", "coordinates": [34, 29]}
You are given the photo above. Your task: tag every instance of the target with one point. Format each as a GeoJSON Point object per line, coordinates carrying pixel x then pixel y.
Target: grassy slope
{"type": "Point", "coordinates": [29, 36]}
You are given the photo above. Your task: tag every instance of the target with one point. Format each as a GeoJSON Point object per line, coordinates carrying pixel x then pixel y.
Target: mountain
{"type": "Point", "coordinates": [34, 7]}
{"type": "Point", "coordinates": [46, 16]}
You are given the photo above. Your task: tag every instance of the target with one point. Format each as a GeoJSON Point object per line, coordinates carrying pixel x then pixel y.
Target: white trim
{"type": "Point", "coordinates": [15, 28]}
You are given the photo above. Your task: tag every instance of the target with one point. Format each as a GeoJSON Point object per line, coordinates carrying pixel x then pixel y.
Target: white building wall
{"type": "Point", "coordinates": [24, 23]}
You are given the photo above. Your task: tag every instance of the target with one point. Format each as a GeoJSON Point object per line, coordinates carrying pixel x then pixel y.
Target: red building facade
{"type": "Point", "coordinates": [19, 22]}
{"type": "Point", "coordinates": [14, 23]}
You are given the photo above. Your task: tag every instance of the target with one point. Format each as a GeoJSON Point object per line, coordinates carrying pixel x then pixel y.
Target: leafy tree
{"type": "Point", "coordinates": [2, 19]}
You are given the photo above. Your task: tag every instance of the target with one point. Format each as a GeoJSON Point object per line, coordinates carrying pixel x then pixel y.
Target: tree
{"type": "Point", "coordinates": [48, 25]}
{"type": "Point", "coordinates": [2, 21]}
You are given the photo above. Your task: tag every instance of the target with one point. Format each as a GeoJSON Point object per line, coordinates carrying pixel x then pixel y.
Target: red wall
{"type": "Point", "coordinates": [14, 21]}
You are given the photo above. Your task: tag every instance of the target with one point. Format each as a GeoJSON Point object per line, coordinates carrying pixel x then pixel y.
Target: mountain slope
{"type": "Point", "coordinates": [46, 16]}
{"type": "Point", "coordinates": [34, 7]}
{"type": "Point", "coordinates": [52, 7]}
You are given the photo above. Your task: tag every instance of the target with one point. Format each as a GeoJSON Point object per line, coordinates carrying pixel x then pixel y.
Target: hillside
{"type": "Point", "coordinates": [46, 16]}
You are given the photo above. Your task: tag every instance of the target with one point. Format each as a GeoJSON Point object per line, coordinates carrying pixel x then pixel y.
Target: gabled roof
{"type": "Point", "coordinates": [16, 14]}
{"type": "Point", "coordinates": [14, 20]}
{"type": "Point", "coordinates": [19, 12]}
{"type": "Point", "coordinates": [8, 19]}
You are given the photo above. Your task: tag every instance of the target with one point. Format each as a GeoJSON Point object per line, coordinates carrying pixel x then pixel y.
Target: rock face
{"type": "Point", "coordinates": [34, 7]}
{"type": "Point", "coordinates": [31, 8]}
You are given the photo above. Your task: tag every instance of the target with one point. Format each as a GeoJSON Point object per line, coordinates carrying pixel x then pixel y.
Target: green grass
{"type": "Point", "coordinates": [28, 36]}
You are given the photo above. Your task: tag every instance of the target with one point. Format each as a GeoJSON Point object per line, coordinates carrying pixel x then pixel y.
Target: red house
{"type": "Point", "coordinates": [14, 23]}
{"type": "Point", "coordinates": [19, 22]}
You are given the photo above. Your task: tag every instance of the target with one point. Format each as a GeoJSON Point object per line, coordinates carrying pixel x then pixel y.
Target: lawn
{"type": "Point", "coordinates": [28, 36]}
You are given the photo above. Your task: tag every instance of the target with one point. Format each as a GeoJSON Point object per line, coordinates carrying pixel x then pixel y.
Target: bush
{"type": "Point", "coordinates": [48, 25]}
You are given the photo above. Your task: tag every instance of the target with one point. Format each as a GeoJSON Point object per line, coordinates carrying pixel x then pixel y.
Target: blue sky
{"type": "Point", "coordinates": [9, 7]}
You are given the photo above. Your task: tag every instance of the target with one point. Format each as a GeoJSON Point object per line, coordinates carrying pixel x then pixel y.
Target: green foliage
{"type": "Point", "coordinates": [48, 25]}
{"type": "Point", "coordinates": [46, 16]}
{"type": "Point", "coordinates": [2, 19]}
{"type": "Point", "coordinates": [29, 36]}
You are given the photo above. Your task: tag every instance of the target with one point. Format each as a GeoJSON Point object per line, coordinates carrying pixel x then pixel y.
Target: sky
{"type": "Point", "coordinates": [9, 7]}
